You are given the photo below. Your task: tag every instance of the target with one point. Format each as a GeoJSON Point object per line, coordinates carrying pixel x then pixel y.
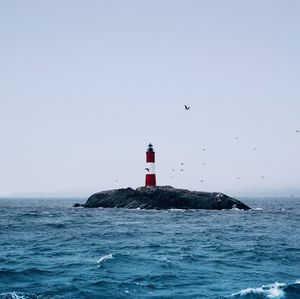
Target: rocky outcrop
{"type": "Point", "coordinates": [162, 197]}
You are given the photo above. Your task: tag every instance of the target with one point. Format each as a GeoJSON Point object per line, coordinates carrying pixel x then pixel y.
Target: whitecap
{"type": "Point", "coordinates": [236, 209]}
{"type": "Point", "coordinates": [271, 291]}
{"type": "Point", "coordinates": [15, 295]}
{"type": "Point", "coordinates": [104, 258]}
{"type": "Point", "coordinates": [257, 209]}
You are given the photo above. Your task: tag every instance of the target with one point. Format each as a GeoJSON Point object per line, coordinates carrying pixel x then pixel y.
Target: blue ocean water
{"type": "Point", "coordinates": [50, 250]}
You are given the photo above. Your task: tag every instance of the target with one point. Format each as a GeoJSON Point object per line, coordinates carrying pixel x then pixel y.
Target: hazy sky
{"type": "Point", "coordinates": [86, 85]}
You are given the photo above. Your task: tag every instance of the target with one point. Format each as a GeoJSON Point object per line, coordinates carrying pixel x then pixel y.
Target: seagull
{"type": "Point", "coordinates": [262, 176]}
{"type": "Point", "coordinates": [187, 107]}
{"type": "Point", "coordinates": [254, 148]}
{"type": "Point", "coordinates": [238, 178]}
{"type": "Point", "coordinates": [173, 169]}
{"type": "Point", "coordinates": [201, 181]}
{"type": "Point", "coordinates": [182, 163]}
{"type": "Point", "coordinates": [203, 148]}
{"type": "Point", "coordinates": [147, 169]}
{"type": "Point", "coordinates": [236, 138]}
{"type": "Point", "coordinates": [297, 131]}
{"type": "Point", "coordinates": [181, 169]}
{"type": "Point", "coordinates": [204, 163]}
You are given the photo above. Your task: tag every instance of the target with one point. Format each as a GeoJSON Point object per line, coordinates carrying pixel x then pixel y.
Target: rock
{"type": "Point", "coordinates": [162, 197]}
{"type": "Point", "coordinates": [76, 205]}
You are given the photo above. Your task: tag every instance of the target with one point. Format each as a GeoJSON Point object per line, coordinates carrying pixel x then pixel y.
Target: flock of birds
{"type": "Point", "coordinates": [187, 108]}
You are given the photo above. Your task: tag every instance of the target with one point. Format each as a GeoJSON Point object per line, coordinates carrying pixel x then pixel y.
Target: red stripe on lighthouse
{"type": "Point", "coordinates": [150, 180]}
{"type": "Point", "coordinates": [150, 157]}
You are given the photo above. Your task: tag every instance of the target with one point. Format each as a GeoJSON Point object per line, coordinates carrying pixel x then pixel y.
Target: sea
{"type": "Point", "coordinates": [48, 249]}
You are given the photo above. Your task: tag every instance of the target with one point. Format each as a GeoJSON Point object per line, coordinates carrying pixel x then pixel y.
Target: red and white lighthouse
{"type": "Point", "coordinates": [150, 167]}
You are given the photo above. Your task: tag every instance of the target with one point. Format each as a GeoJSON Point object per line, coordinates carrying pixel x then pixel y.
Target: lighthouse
{"type": "Point", "coordinates": [150, 167]}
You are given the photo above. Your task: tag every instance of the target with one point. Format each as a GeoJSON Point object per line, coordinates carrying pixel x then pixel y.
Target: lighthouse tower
{"type": "Point", "coordinates": [150, 167]}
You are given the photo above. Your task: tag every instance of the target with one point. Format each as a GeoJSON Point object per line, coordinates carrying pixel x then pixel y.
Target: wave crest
{"type": "Point", "coordinates": [275, 290]}
{"type": "Point", "coordinates": [17, 295]}
{"type": "Point", "coordinates": [104, 258]}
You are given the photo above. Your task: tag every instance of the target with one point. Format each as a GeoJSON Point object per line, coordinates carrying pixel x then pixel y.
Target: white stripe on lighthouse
{"type": "Point", "coordinates": [151, 167]}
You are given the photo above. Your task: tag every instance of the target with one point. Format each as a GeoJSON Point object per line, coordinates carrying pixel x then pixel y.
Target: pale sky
{"type": "Point", "coordinates": [86, 85]}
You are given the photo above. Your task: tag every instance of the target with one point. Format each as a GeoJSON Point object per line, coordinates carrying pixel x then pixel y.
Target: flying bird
{"type": "Point", "coordinates": [182, 163]}
{"type": "Point", "coordinates": [147, 169]}
{"type": "Point", "coordinates": [203, 148]}
{"type": "Point", "coordinates": [297, 131]}
{"type": "Point", "coordinates": [187, 107]}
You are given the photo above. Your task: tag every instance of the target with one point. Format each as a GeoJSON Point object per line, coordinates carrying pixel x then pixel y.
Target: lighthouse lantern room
{"type": "Point", "coordinates": [150, 167]}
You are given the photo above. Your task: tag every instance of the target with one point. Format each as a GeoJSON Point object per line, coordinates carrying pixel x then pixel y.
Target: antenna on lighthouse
{"type": "Point", "coordinates": [150, 167]}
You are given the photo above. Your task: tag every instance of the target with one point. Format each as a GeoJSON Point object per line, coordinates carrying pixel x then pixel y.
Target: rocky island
{"type": "Point", "coordinates": [162, 197]}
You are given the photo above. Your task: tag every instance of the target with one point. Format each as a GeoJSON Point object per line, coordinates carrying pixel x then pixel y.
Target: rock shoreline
{"type": "Point", "coordinates": [162, 197]}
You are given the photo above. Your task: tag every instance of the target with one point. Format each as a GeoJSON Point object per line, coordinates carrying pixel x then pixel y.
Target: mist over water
{"type": "Point", "coordinates": [51, 250]}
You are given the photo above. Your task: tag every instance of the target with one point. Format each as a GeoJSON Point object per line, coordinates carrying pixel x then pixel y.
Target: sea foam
{"type": "Point", "coordinates": [104, 258]}
{"type": "Point", "coordinates": [15, 295]}
{"type": "Point", "coordinates": [270, 291]}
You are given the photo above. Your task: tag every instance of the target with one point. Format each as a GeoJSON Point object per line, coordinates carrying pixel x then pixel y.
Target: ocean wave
{"type": "Point", "coordinates": [104, 258]}
{"type": "Point", "coordinates": [17, 295]}
{"type": "Point", "coordinates": [56, 225]}
{"type": "Point", "coordinates": [151, 254]}
{"type": "Point", "coordinates": [275, 290]}
{"type": "Point", "coordinates": [32, 214]}
{"type": "Point", "coordinates": [236, 209]}
{"type": "Point", "coordinates": [257, 209]}
{"type": "Point", "coordinates": [7, 274]}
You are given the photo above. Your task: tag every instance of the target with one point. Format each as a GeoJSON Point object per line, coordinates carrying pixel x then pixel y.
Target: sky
{"type": "Point", "coordinates": [86, 85]}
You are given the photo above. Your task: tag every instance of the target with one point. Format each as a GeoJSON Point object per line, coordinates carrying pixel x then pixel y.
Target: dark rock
{"type": "Point", "coordinates": [76, 205]}
{"type": "Point", "coordinates": [162, 197]}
